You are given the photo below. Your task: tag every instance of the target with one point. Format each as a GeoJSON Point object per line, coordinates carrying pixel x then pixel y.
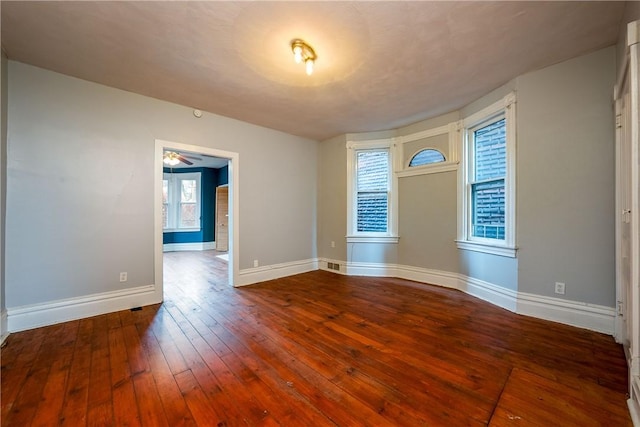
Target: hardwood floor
{"type": "Point", "coordinates": [316, 349]}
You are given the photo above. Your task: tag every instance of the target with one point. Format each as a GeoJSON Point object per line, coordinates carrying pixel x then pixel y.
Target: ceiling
{"type": "Point", "coordinates": [380, 65]}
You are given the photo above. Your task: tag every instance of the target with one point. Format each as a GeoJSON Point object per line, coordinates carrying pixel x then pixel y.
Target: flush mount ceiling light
{"type": "Point", "coordinates": [302, 52]}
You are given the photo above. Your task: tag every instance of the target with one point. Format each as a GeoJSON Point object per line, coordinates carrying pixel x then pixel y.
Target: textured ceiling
{"type": "Point", "coordinates": [380, 64]}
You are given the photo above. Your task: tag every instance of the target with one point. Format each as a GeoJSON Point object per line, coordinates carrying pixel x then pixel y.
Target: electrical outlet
{"type": "Point", "coordinates": [123, 276]}
{"type": "Point", "coordinates": [560, 288]}
{"type": "Point", "coordinates": [333, 244]}
{"type": "Point", "coordinates": [255, 263]}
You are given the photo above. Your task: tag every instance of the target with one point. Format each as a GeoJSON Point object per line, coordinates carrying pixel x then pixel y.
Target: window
{"type": "Point", "coordinates": [181, 202]}
{"type": "Point", "coordinates": [371, 215]}
{"type": "Point", "coordinates": [487, 205]}
{"type": "Point", "coordinates": [372, 187]}
{"type": "Point", "coordinates": [488, 159]}
{"type": "Point", "coordinates": [425, 157]}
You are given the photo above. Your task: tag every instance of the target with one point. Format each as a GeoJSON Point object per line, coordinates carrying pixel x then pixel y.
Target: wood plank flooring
{"type": "Point", "coordinates": [316, 349]}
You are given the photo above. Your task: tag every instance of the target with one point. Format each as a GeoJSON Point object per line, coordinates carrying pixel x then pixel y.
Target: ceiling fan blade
{"type": "Point", "coordinates": [183, 160]}
{"type": "Point", "coordinates": [191, 157]}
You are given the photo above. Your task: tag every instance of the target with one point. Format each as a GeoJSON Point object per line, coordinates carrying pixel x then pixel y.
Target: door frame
{"type": "Point", "coordinates": [234, 207]}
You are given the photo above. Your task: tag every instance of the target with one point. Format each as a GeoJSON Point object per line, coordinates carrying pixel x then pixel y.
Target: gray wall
{"type": "Point", "coordinates": [332, 198]}
{"type": "Point", "coordinates": [80, 185]}
{"type": "Point", "coordinates": [565, 191]}
{"type": "Point", "coordinates": [565, 179]}
{"type": "Point", "coordinates": [3, 181]}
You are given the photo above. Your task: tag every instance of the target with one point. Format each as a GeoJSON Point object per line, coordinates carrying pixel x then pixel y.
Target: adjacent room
{"type": "Point", "coordinates": [299, 213]}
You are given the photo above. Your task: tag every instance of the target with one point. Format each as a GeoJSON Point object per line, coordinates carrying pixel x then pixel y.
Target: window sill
{"type": "Point", "coordinates": [372, 239]}
{"type": "Point", "coordinates": [181, 230]}
{"type": "Point", "coordinates": [505, 251]}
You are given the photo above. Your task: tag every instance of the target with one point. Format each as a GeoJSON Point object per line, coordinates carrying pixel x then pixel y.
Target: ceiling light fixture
{"type": "Point", "coordinates": [170, 158]}
{"type": "Point", "coordinates": [302, 52]}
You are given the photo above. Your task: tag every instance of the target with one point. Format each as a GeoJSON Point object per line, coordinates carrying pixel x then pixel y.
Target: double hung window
{"type": "Point", "coordinates": [487, 181]}
{"type": "Point", "coordinates": [181, 202]}
{"type": "Point", "coordinates": [372, 196]}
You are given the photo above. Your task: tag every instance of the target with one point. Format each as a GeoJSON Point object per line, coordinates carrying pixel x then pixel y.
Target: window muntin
{"type": "Point", "coordinates": [372, 188]}
{"type": "Point", "coordinates": [426, 157]}
{"type": "Point", "coordinates": [181, 202]}
{"type": "Point", "coordinates": [487, 180]}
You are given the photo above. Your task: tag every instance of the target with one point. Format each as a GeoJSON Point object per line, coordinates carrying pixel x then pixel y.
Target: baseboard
{"type": "Point", "coordinates": [588, 316]}
{"type": "Point", "coordinates": [633, 402]}
{"type": "Point", "coordinates": [370, 269]}
{"type": "Point", "coordinates": [496, 295]}
{"type": "Point", "coordinates": [250, 276]}
{"type": "Point", "coordinates": [425, 275]}
{"type": "Point", "coordinates": [4, 329]}
{"type": "Point", "coordinates": [37, 315]}
{"type": "Point", "coordinates": [195, 246]}
{"type": "Point", "coordinates": [323, 264]}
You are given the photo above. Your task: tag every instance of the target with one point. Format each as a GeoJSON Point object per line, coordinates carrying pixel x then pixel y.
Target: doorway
{"type": "Point", "coordinates": [232, 225]}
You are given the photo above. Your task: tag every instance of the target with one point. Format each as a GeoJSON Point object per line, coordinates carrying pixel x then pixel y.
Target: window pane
{"type": "Point", "coordinates": [373, 171]}
{"type": "Point", "coordinates": [425, 157]}
{"type": "Point", "coordinates": [490, 151]}
{"type": "Point", "coordinates": [488, 209]}
{"type": "Point", "coordinates": [372, 212]}
{"type": "Point", "coordinates": [188, 215]}
{"type": "Point", "coordinates": [165, 216]}
{"type": "Point", "coordinates": [165, 191]}
{"type": "Point", "coordinates": [188, 193]}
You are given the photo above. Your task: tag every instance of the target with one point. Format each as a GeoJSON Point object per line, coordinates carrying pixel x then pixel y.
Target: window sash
{"type": "Point", "coordinates": [482, 206]}
{"type": "Point", "coordinates": [372, 195]}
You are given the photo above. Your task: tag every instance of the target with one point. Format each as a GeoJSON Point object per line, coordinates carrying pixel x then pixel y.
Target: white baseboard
{"type": "Point", "coordinates": [49, 313]}
{"type": "Point", "coordinates": [275, 271]}
{"type": "Point", "coordinates": [370, 269]}
{"type": "Point", "coordinates": [588, 316]}
{"type": "Point", "coordinates": [323, 264]}
{"type": "Point", "coordinates": [4, 328]}
{"type": "Point", "coordinates": [196, 246]}
{"type": "Point", "coordinates": [633, 402]}
{"type": "Point", "coordinates": [496, 295]}
{"type": "Point", "coordinates": [425, 275]}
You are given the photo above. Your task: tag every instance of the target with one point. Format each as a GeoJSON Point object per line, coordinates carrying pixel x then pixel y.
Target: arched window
{"type": "Point", "coordinates": [426, 156]}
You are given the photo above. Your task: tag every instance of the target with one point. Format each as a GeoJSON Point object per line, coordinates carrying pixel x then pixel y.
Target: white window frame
{"type": "Point", "coordinates": [173, 208]}
{"type": "Point", "coordinates": [505, 108]}
{"type": "Point", "coordinates": [353, 235]}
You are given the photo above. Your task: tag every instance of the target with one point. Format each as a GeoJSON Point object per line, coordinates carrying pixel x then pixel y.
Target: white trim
{"type": "Point", "coordinates": [4, 326]}
{"type": "Point", "coordinates": [429, 169]}
{"type": "Point", "coordinates": [370, 269]}
{"type": "Point", "coordinates": [441, 130]}
{"type": "Point", "coordinates": [589, 316]}
{"type": "Point", "coordinates": [487, 248]}
{"type": "Point", "coordinates": [234, 206]}
{"type": "Point", "coordinates": [424, 275]}
{"type": "Point", "coordinates": [632, 402]}
{"type": "Point", "coordinates": [391, 146]}
{"type": "Point", "coordinates": [323, 265]}
{"type": "Point", "coordinates": [363, 238]}
{"type": "Point", "coordinates": [494, 294]}
{"type": "Point", "coordinates": [250, 276]}
{"type": "Point", "coordinates": [49, 313]}
{"type": "Point", "coordinates": [193, 246]}
{"type": "Point", "coordinates": [505, 107]}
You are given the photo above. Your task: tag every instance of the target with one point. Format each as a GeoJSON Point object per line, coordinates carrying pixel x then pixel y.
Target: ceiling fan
{"type": "Point", "coordinates": [172, 158]}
